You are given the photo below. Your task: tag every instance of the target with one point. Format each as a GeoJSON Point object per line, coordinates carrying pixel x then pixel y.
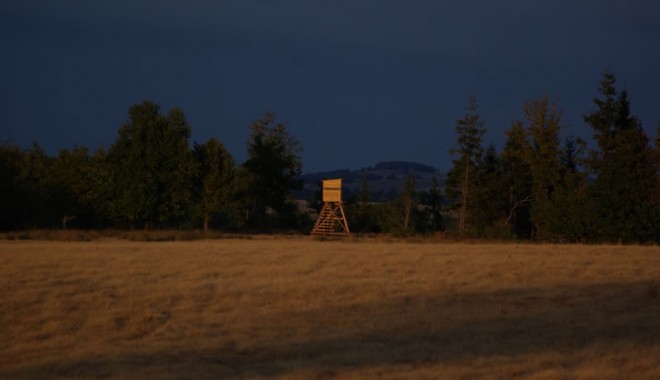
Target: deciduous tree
{"type": "Point", "coordinates": [543, 125]}
{"type": "Point", "coordinates": [72, 186]}
{"type": "Point", "coordinates": [214, 183]}
{"type": "Point", "coordinates": [33, 184]}
{"type": "Point", "coordinates": [400, 216]}
{"type": "Point", "coordinates": [518, 180]}
{"type": "Point", "coordinates": [151, 167]}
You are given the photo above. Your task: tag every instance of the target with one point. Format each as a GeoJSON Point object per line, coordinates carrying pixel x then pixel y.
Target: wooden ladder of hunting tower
{"type": "Point", "coordinates": [332, 220]}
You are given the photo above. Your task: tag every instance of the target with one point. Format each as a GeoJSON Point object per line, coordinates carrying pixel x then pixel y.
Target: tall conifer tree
{"type": "Point", "coordinates": [271, 174]}
{"type": "Point", "coordinates": [490, 198]}
{"type": "Point", "coordinates": [624, 208]}
{"type": "Point", "coordinates": [461, 179]}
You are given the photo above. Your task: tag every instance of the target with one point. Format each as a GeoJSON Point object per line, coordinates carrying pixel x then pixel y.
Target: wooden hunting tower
{"type": "Point", "coordinates": [332, 220]}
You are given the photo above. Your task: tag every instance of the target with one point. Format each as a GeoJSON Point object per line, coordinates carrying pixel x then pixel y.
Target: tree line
{"type": "Point", "coordinates": [151, 177]}
{"type": "Point", "coordinates": [538, 187]}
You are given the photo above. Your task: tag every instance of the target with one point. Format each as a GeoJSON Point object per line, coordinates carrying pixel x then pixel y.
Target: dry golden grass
{"type": "Point", "coordinates": [301, 308]}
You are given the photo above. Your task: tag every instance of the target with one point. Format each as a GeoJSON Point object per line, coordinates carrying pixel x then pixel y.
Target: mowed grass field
{"type": "Point", "coordinates": [301, 308]}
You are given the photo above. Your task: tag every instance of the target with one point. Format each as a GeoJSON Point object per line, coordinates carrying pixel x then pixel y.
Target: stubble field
{"type": "Point", "coordinates": [302, 308]}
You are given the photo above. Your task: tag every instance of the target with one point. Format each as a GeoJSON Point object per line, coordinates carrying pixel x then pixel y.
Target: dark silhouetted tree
{"type": "Point", "coordinates": [151, 167]}
{"type": "Point", "coordinates": [12, 200]}
{"type": "Point", "coordinates": [656, 155]}
{"type": "Point", "coordinates": [361, 212]}
{"type": "Point", "coordinates": [432, 215]}
{"type": "Point", "coordinates": [570, 219]}
{"type": "Point", "coordinates": [214, 182]}
{"type": "Point", "coordinates": [33, 183]}
{"type": "Point", "coordinates": [623, 208]}
{"type": "Point", "coordinates": [72, 186]}
{"type": "Point", "coordinates": [461, 178]}
{"type": "Point", "coordinates": [400, 216]}
{"type": "Point", "coordinates": [490, 198]}
{"type": "Point", "coordinates": [518, 180]}
{"type": "Point", "coordinates": [270, 175]}
{"type": "Point", "coordinates": [544, 123]}
{"type": "Point", "coordinates": [406, 205]}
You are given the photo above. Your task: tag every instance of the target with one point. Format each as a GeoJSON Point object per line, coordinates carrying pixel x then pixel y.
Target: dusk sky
{"type": "Point", "coordinates": [357, 81]}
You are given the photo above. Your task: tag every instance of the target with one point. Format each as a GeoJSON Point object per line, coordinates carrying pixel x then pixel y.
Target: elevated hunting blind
{"type": "Point", "coordinates": [331, 220]}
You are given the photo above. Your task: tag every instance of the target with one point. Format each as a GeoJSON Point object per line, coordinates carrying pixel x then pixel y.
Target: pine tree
{"type": "Point", "coordinates": [602, 121]}
{"type": "Point", "coordinates": [461, 179]}
{"type": "Point", "coordinates": [490, 197]}
{"type": "Point", "coordinates": [361, 212]}
{"type": "Point", "coordinates": [271, 174]}
{"type": "Point", "coordinates": [570, 199]}
{"type": "Point", "coordinates": [432, 199]}
{"type": "Point", "coordinates": [624, 208]}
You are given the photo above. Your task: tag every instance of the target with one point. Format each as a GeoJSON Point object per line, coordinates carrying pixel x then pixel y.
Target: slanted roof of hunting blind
{"type": "Point", "coordinates": [332, 190]}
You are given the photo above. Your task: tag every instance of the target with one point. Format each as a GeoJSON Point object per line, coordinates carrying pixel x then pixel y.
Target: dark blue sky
{"type": "Point", "coordinates": [358, 81]}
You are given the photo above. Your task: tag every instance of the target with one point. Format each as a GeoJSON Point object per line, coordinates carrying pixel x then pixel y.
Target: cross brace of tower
{"type": "Point", "coordinates": [331, 221]}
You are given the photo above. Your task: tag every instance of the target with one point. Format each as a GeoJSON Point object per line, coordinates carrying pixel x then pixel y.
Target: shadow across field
{"type": "Point", "coordinates": [411, 331]}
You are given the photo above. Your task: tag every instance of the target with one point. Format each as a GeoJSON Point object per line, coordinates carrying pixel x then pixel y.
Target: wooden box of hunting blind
{"type": "Point", "coordinates": [332, 190]}
{"type": "Point", "coordinates": [331, 220]}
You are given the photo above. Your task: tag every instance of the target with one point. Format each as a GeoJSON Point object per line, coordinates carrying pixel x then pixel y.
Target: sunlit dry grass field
{"type": "Point", "coordinates": [301, 308]}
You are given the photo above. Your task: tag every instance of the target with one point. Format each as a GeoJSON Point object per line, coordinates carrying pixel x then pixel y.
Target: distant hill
{"type": "Point", "coordinates": [385, 179]}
